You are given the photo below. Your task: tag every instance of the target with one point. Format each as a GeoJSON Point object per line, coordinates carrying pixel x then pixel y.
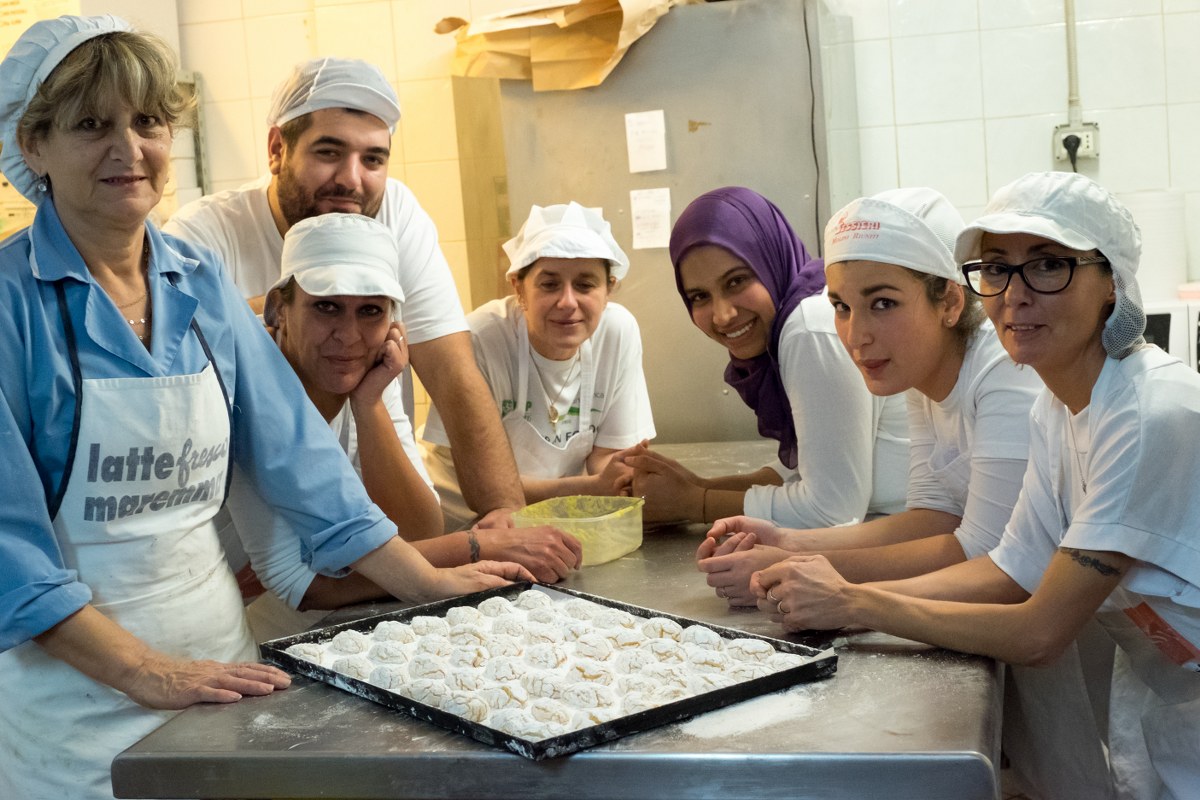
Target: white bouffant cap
{"type": "Point", "coordinates": [334, 83]}
{"type": "Point", "coordinates": [1078, 213]}
{"type": "Point", "coordinates": [913, 228]}
{"type": "Point", "coordinates": [565, 231]}
{"type": "Point", "coordinates": [32, 58]}
{"type": "Point", "coordinates": [342, 254]}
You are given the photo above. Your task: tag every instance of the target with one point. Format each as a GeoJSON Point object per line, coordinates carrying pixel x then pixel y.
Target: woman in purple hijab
{"type": "Point", "coordinates": [750, 285]}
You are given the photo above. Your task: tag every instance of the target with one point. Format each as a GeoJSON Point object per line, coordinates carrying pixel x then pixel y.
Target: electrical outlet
{"type": "Point", "coordinates": [1089, 140]}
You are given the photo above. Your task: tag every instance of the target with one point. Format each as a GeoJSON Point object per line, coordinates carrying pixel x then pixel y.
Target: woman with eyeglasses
{"type": "Point", "coordinates": [1101, 528]}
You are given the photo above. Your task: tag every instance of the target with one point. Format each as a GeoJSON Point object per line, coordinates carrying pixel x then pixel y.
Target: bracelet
{"type": "Point", "coordinates": [704, 505]}
{"type": "Point", "coordinates": [473, 543]}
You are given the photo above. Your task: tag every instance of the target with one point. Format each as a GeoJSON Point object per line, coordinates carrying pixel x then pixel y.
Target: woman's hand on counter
{"type": "Point", "coordinates": [166, 682]}
{"type": "Point", "coordinates": [615, 477]}
{"type": "Point", "coordinates": [455, 581]}
{"type": "Point", "coordinates": [672, 492]}
{"type": "Point", "coordinates": [548, 553]}
{"type": "Point", "coordinates": [711, 546]}
{"type": "Point", "coordinates": [729, 573]}
{"type": "Point", "coordinates": [804, 593]}
{"type": "Point", "coordinates": [98, 647]}
{"type": "Point", "coordinates": [765, 532]}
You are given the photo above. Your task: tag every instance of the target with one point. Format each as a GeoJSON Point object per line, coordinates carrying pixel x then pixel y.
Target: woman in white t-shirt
{"type": "Point", "coordinates": [563, 363]}
{"type": "Point", "coordinates": [910, 326]}
{"type": "Point", "coordinates": [1102, 528]}
{"type": "Point", "coordinates": [750, 285]}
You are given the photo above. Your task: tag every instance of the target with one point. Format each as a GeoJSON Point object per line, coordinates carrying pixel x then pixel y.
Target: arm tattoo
{"type": "Point", "coordinates": [1107, 570]}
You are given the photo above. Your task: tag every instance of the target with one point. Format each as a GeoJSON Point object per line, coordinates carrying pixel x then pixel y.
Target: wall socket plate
{"type": "Point", "coordinates": [1089, 140]}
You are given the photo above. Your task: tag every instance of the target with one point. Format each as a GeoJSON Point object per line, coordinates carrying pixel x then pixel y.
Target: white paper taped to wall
{"type": "Point", "coordinates": [646, 138]}
{"type": "Point", "coordinates": [650, 210]}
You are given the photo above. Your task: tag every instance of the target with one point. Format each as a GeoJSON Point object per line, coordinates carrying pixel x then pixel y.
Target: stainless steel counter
{"type": "Point", "coordinates": [899, 719]}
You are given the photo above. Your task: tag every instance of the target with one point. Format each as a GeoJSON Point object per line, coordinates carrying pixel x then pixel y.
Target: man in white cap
{"type": "Point", "coordinates": [328, 147]}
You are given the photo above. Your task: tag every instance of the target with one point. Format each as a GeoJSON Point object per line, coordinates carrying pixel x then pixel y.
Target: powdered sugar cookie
{"type": "Point", "coordinates": [350, 643]}
{"type": "Point", "coordinates": [391, 630]}
{"type": "Point", "coordinates": [358, 667]}
{"type": "Point", "coordinates": [426, 625]}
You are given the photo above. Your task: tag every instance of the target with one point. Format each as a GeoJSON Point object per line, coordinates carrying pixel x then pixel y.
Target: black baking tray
{"type": "Point", "coordinates": [822, 664]}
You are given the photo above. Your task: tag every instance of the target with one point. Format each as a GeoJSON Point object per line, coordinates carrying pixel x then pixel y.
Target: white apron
{"type": "Point", "coordinates": [1155, 706]}
{"type": "Point", "coordinates": [1170, 666]}
{"type": "Point", "coordinates": [135, 520]}
{"type": "Point", "coordinates": [535, 457]}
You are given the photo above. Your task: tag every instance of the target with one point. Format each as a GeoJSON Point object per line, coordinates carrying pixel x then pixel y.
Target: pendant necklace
{"type": "Point", "coordinates": [552, 411]}
{"type": "Point", "coordinates": [133, 323]}
{"type": "Point", "coordinates": [1075, 450]}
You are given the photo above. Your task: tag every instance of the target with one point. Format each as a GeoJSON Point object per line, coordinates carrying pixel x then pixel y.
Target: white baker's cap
{"type": "Point", "coordinates": [342, 254]}
{"type": "Point", "coordinates": [565, 231]}
{"type": "Point", "coordinates": [913, 228]}
{"type": "Point", "coordinates": [334, 83]}
{"type": "Point", "coordinates": [32, 58]}
{"type": "Point", "coordinates": [1078, 213]}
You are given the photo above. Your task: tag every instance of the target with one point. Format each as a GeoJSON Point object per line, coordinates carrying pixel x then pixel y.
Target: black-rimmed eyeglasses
{"type": "Point", "coordinates": [1046, 275]}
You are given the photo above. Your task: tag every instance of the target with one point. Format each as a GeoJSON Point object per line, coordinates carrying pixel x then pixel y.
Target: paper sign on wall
{"type": "Point", "coordinates": [650, 210]}
{"type": "Point", "coordinates": [646, 137]}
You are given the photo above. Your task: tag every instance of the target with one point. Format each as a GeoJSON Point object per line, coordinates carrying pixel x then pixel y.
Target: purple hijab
{"type": "Point", "coordinates": [750, 227]}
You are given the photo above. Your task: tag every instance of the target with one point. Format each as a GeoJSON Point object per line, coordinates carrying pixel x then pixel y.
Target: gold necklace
{"type": "Point", "coordinates": [133, 323]}
{"type": "Point", "coordinates": [552, 411]}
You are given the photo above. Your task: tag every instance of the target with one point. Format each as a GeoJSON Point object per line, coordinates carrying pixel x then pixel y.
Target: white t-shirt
{"type": "Point", "coordinates": [852, 447]}
{"type": "Point", "coordinates": [246, 523]}
{"type": "Point", "coordinates": [969, 452]}
{"type": "Point", "coordinates": [620, 406]}
{"type": "Point", "coordinates": [238, 225]}
{"type": "Point", "coordinates": [1140, 457]}
{"type": "Point", "coordinates": [347, 432]}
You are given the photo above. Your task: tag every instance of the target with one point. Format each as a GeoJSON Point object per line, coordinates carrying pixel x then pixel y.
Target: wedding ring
{"type": "Point", "coordinates": [780, 611]}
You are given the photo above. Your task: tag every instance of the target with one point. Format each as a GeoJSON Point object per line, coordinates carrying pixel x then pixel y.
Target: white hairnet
{"type": "Point", "coordinates": [342, 254]}
{"type": "Point", "coordinates": [32, 58]}
{"type": "Point", "coordinates": [334, 83]}
{"type": "Point", "coordinates": [913, 228]}
{"type": "Point", "coordinates": [565, 231]}
{"type": "Point", "coordinates": [1078, 213]}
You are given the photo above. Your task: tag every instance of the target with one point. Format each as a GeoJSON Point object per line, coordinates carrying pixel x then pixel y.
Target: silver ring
{"type": "Point", "coordinates": [771, 596]}
{"type": "Point", "coordinates": [779, 610]}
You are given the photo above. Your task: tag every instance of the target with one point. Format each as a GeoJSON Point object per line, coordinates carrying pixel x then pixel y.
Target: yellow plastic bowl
{"type": "Point", "coordinates": [607, 527]}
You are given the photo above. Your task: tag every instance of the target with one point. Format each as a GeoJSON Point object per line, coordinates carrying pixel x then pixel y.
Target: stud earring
{"type": "Point", "coordinates": [43, 184]}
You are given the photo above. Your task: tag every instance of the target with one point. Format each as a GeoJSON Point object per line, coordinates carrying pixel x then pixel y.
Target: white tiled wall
{"type": "Point", "coordinates": [963, 94]}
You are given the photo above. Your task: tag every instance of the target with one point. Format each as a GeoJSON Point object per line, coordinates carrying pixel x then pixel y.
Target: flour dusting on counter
{"type": "Point", "coordinates": [751, 715]}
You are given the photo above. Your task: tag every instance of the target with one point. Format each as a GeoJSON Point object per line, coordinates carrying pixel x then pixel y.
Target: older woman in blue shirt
{"type": "Point", "coordinates": [133, 380]}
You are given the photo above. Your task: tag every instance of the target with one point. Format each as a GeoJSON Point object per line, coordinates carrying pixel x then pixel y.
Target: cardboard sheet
{"type": "Point", "coordinates": [556, 44]}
